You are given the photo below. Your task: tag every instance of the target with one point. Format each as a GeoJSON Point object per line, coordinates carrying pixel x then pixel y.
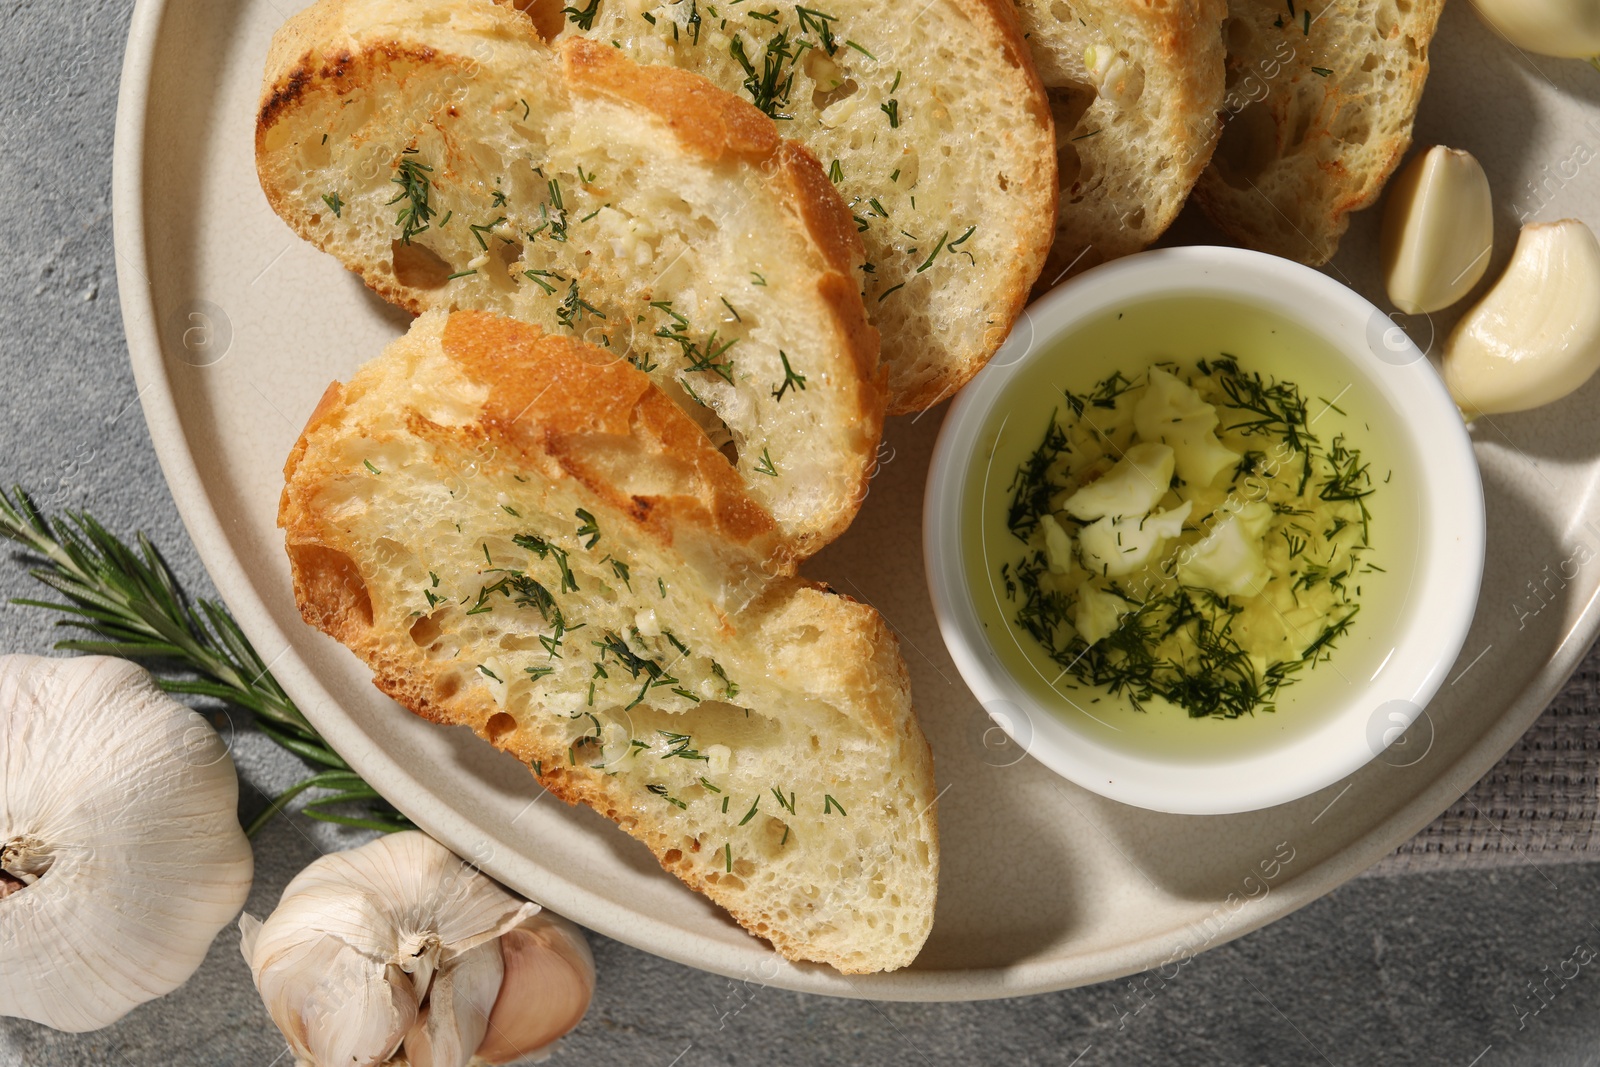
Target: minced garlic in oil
{"type": "Point", "coordinates": [1187, 534]}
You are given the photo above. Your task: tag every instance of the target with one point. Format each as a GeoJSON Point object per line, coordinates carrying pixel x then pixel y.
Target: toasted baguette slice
{"type": "Point", "coordinates": [442, 151]}
{"type": "Point", "coordinates": [602, 599]}
{"type": "Point", "coordinates": [1135, 88]}
{"type": "Point", "coordinates": [930, 119]}
{"type": "Point", "coordinates": [1320, 104]}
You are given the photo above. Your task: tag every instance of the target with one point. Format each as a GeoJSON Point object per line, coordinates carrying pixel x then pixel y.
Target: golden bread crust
{"type": "Point", "coordinates": [705, 120]}
{"type": "Point", "coordinates": [550, 395]}
{"type": "Point", "coordinates": [1136, 133]}
{"type": "Point", "coordinates": [538, 404]}
{"type": "Point", "coordinates": [823, 429]}
{"type": "Point", "coordinates": [1321, 120]}
{"type": "Point", "coordinates": [936, 343]}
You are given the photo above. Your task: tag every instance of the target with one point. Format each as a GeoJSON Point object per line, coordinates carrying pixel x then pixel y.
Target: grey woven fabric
{"type": "Point", "coordinates": [1539, 803]}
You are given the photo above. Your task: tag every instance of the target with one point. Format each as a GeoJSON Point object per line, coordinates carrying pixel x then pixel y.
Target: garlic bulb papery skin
{"type": "Point", "coordinates": [119, 840]}
{"type": "Point", "coordinates": [1566, 28]}
{"type": "Point", "coordinates": [396, 952]}
{"type": "Point", "coordinates": [1535, 336]}
{"type": "Point", "coordinates": [549, 980]}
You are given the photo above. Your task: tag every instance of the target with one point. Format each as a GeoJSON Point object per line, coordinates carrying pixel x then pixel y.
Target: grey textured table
{"type": "Point", "coordinates": [1435, 963]}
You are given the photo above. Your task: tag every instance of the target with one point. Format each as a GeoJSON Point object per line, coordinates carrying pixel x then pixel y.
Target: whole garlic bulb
{"type": "Point", "coordinates": [119, 840]}
{"type": "Point", "coordinates": [400, 949]}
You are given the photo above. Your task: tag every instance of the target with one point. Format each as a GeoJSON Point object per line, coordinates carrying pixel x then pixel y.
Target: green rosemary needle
{"type": "Point", "coordinates": [132, 603]}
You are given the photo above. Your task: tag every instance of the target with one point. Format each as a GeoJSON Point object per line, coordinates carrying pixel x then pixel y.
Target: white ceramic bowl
{"type": "Point", "coordinates": [1423, 636]}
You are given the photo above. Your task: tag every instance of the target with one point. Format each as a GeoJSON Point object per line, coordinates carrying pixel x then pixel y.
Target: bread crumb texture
{"type": "Point", "coordinates": [1320, 107]}
{"type": "Point", "coordinates": [444, 152]}
{"type": "Point", "coordinates": [930, 121]}
{"type": "Point", "coordinates": [522, 535]}
{"type": "Point", "coordinates": [1135, 89]}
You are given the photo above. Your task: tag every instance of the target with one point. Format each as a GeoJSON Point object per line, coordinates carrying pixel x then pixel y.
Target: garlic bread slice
{"type": "Point", "coordinates": [1321, 100]}
{"type": "Point", "coordinates": [520, 534]}
{"type": "Point", "coordinates": [930, 120]}
{"type": "Point", "coordinates": [1135, 89]}
{"type": "Point", "coordinates": [448, 156]}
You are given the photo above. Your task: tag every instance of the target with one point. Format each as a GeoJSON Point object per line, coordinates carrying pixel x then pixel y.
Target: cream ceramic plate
{"type": "Point", "coordinates": [235, 329]}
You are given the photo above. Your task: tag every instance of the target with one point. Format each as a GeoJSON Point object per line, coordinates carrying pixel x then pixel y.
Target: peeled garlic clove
{"type": "Point", "coordinates": [549, 980]}
{"type": "Point", "coordinates": [1113, 548]}
{"type": "Point", "coordinates": [349, 962]}
{"type": "Point", "coordinates": [1232, 559]}
{"type": "Point", "coordinates": [1098, 614]}
{"type": "Point", "coordinates": [119, 840]}
{"type": "Point", "coordinates": [1172, 412]}
{"type": "Point", "coordinates": [1134, 486]}
{"type": "Point", "coordinates": [1057, 545]}
{"type": "Point", "coordinates": [1535, 337]}
{"type": "Point", "coordinates": [1567, 28]}
{"type": "Point", "coordinates": [1438, 230]}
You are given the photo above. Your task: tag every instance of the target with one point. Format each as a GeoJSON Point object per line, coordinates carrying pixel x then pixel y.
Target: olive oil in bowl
{"type": "Point", "coordinates": [1189, 529]}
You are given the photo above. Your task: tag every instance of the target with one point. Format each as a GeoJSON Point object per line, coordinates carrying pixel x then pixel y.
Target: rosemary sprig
{"type": "Point", "coordinates": [130, 600]}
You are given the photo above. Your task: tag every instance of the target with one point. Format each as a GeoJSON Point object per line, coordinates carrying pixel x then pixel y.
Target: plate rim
{"type": "Point", "coordinates": [206, 531]}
